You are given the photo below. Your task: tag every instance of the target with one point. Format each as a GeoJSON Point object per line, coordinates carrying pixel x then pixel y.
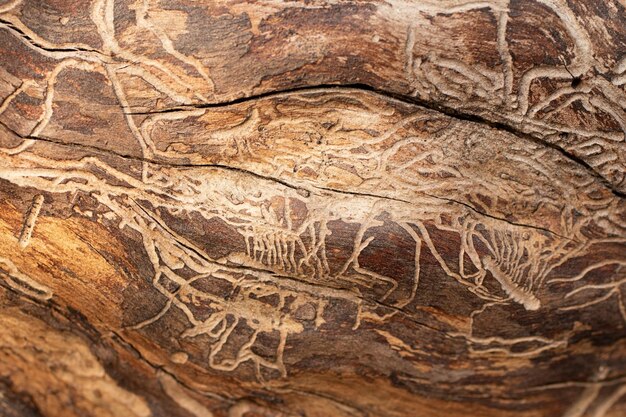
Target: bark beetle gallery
{"type": "Point", "coordinates": [312, 208]}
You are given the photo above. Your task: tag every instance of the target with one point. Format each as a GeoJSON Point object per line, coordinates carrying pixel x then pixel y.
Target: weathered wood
{"type": "Point", "coordinates": [402, 208]}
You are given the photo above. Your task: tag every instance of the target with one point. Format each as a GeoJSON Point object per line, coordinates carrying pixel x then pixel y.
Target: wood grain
{"type": "Point", "coordinates": [321, 208]}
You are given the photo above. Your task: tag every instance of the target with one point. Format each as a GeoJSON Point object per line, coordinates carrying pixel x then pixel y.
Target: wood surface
{"type": "Point", "coordinates": [312, 208]}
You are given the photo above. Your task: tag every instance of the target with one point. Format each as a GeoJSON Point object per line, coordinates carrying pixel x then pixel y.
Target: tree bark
{"type": "Point", "coordinates": [320, 208]}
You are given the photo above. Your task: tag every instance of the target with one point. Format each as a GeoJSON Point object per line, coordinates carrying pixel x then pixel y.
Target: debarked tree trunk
{"type": "Point", "coordinates": [321, 208]}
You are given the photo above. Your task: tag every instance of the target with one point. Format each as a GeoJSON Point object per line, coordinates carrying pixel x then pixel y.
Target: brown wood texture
{"type": "Point", "coordinates": [312, 208]}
